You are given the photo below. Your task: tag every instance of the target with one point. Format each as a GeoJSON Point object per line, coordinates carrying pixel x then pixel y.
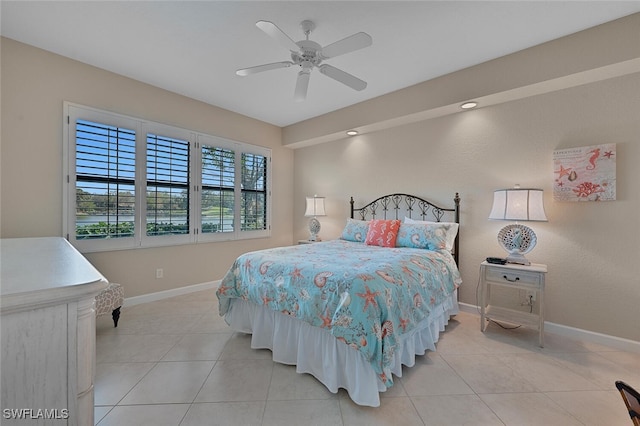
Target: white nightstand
{"type": "Point", "coordinates": [519, 277]}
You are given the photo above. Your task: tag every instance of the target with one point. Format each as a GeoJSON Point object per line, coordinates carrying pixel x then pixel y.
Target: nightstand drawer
{"type": "Point", "coordinates": [506, 276]}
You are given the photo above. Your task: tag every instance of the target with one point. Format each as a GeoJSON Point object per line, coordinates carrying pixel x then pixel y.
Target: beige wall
{"type": "Point", "coordinates": [34, 85]}
{"type": "Point", "coordinates": [591, 249]}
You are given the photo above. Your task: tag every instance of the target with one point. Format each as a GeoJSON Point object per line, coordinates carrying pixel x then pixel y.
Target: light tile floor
{"type": "Point", "coordinates": [175, 362]}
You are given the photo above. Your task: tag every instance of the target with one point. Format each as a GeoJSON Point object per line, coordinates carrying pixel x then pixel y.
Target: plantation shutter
{"type": "Point", "coordinates": [167, 191]}
{"type": "Point", "coordinates": [253, 215]}
{"type": "Point", "coordinates": [217, 197]}
{"type": "Point", "coordinates": [132, 183]}
{"type": "Point", "coordinates": [105, 181]}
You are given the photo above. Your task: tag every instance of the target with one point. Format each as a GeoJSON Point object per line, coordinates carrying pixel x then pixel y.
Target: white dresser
{"type": "Point", "coordinates": [47, 291]}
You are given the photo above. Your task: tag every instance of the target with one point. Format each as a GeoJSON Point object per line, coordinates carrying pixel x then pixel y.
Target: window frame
{"type": "Point", "coordinates": [73, 112]}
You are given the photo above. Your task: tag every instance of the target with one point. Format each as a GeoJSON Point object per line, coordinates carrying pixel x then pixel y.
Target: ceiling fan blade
{"type": "Point", "coordinates": [266, 67]}
{"type": "Point", "coordinates": [343, 77]}
{"type": "Point", "coordinates": [302, 85]}
{"type": "Point", "coordinates": [276, 33]}
{"type": "Point", "coordinates": [346, 45]}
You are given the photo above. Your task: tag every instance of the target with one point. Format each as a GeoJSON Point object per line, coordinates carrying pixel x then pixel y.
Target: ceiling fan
{"type": "Point", "coordinates": [308, 54]}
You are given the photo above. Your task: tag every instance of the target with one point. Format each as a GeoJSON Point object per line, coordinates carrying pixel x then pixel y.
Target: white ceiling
{"type": "Point", "coordinates": [194, 48]}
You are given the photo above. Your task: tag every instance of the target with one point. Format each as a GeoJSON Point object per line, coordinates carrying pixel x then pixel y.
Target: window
{"type": "Point", "coordinates": [167, 186]}
{"type": "Point", "coordinates": [254, 192]}
{"type": "Point", "coordinates": [131, 183]}
{"type": "Point", "coordinates": [105, 181]}
{"type": "Point", "coordinates": [217, 198]}
{"type": "Point", "coordinates": [234, 189]}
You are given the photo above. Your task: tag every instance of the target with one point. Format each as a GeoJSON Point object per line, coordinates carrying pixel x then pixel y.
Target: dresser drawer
{"type": "Point", "coordinates": [506, 276]}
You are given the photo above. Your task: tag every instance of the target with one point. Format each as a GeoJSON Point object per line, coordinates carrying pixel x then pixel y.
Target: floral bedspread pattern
{"type": "Point", "coordinates": [366, 296]}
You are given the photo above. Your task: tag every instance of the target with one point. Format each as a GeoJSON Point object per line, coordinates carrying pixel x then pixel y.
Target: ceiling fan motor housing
{"type": "Point", "coordinates": [308, 53]}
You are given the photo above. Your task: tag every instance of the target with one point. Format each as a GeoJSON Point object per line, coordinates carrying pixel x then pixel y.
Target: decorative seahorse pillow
{"type": "Point", "coordinates": [442, 234]}
{"type": "Point", "coordinates": [382, 233]}
{"type": "Point", "coordinates": [417, 235]}
{"type": "Point", "coordinates": [355, 230]}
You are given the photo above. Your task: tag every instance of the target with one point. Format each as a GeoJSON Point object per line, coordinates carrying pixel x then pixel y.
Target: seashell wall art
{"type": "Point", "coordinates": [585, 173]}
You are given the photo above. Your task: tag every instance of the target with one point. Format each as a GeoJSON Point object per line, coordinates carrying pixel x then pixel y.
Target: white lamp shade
{"type": "Point", "coordinates": [315, 207]}
{"type": "Point", "coordinates": [518, 204]}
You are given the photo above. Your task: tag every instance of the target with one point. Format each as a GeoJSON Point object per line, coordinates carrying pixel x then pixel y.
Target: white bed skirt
{"type": "Point", "coordinates": [315, 351]}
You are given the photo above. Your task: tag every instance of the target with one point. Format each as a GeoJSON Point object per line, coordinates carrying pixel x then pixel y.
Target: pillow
{"type": "Point", "coordinates": [417, 235]}
{"type": "Point", "coordinates": [448, 230]}
{"type": "Point", "coordinates": [355, 230]}
{"type": "Point", "coordinates": [382, 233]}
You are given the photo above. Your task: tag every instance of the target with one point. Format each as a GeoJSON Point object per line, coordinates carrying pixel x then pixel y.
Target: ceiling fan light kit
{"type": "Point", "coordinates": [308, 54]}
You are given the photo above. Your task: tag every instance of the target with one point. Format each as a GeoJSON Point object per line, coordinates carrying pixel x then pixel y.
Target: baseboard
{"type": "Point", "coordinates": [152, 297]}
{"type": "Point", "coordinates": [574, 333]}
{"type": "Point", "coordinates": [470, 309]}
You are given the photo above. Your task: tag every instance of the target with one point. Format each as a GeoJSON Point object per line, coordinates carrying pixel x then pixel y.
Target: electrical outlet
{"type": "Point", "coordinates": [159, 273]}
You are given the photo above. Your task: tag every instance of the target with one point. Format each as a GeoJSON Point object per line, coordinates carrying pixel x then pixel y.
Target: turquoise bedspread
{"type": "Point", "coordinates": [366, 296]}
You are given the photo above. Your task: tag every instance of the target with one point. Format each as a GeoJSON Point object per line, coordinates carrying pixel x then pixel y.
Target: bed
{"type": "Point", "coordinates": [354, 310]}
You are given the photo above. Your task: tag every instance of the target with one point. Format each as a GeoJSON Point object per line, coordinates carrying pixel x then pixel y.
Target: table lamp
{"type": "Point", "coordinates": [518, 204]}
{"type": "Point", "coordinates": [315, 207]}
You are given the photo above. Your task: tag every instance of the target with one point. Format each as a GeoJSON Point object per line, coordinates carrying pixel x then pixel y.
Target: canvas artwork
{"type": "Point", "coordinates": [586, 173]}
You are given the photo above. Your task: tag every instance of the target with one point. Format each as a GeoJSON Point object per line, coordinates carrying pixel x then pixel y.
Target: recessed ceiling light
{"type": "Point", "coordinates": [352, 132]}
{"type": "Point", "coordinates": [469, 105]}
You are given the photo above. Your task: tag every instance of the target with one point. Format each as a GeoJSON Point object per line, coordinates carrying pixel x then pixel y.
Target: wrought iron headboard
{"type": "Point", "coordinates": [396, 206]}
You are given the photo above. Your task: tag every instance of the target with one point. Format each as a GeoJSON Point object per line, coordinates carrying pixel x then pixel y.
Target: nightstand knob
{"type": "Point", "coordinates": [511, 280]}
